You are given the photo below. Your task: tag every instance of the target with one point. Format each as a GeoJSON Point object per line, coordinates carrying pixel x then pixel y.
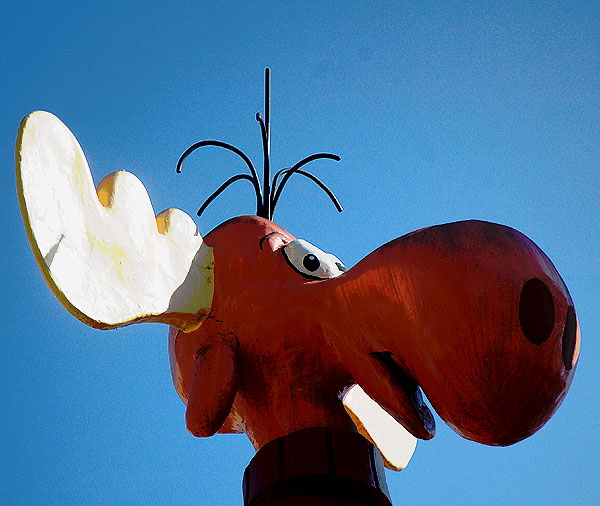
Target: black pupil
{"type": "Point", "coordinates": [311, 263]}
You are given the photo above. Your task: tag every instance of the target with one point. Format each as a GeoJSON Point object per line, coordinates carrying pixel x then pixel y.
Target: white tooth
{"type": "Point", "coordinates": [395, 443]}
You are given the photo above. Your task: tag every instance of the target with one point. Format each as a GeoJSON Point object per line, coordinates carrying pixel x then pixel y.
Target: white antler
{"type": "Point", "coordinates": [105, 255]}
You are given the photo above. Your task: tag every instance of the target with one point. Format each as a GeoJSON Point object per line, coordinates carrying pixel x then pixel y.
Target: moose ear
{"type": "Point", "coordinates": [394, 442]}
{"type": "Point", "coordinates": [103, 253]}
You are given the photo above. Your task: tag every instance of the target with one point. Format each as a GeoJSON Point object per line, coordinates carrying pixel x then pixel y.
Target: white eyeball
{"type": "Point", "coordinates": [312, 262]}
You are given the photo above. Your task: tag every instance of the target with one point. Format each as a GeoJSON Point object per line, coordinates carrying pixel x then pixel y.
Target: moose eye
{"type": "Point", "coordinates": [311, 262]}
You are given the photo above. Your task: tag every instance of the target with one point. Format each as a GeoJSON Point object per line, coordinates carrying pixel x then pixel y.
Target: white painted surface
{"type": "Point", "coordinates": [395, 443]}
{"type": "Point", "coordinates": [105, 255]}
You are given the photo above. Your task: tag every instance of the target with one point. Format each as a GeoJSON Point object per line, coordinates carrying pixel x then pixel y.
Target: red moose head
{"type": "Point", "coordinates": [471, 312]}
{"type": "Point", "coordinates": [269, 332]}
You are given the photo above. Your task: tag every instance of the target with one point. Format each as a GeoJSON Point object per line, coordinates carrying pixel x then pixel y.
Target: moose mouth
{"type": "Point", "coordinates": [420, 421]}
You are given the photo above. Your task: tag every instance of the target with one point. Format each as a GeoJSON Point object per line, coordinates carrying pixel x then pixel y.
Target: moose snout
{"type": "Point", "coordinates": [472, 313]}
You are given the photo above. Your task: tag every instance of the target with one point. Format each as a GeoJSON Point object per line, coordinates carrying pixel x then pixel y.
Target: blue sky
{"type": "Point", "coordinates": [441, 111]}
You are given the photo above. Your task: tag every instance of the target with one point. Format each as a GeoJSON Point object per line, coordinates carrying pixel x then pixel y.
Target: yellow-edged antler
{"type": "Point", "coordinates": [104, 254]}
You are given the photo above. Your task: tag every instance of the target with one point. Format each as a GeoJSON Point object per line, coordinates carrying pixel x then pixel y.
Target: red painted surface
{"type": "Point", "coordinates": [449, 308]}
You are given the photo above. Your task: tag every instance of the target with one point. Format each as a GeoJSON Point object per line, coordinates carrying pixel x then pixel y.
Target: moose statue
{"type": "Point", "coordinates": [320, 365]}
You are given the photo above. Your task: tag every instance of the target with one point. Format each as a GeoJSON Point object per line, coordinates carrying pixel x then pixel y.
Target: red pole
{"type": "Point", "coordinates": [316, 467]}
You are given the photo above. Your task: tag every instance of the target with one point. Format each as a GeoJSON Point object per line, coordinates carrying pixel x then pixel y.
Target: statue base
{"type": "Point", "coordinates": [314, 467]}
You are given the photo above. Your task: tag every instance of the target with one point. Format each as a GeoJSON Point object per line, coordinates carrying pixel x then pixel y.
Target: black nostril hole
{"type": "Point", "coordinates": [569, 339]}
{"type": "Point", "coordinates": [536, 311]}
